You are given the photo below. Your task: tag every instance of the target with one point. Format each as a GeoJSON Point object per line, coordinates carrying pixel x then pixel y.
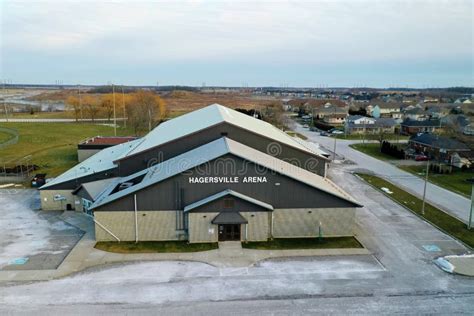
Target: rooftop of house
{"type": "Point", "coordinates": [425, 123]}
{"type": "Point", "coordinates": [386, 105]}
{"type": "Point", "coordinates": [107, 140]}
{"type": "Point", "coordinates": [437, 141]}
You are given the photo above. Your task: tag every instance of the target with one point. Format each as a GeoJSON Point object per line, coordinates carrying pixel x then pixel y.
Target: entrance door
{"type": "Point", "coordinates": [229, 232]}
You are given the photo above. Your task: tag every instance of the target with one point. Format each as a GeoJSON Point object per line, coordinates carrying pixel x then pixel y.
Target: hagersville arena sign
{"type": "Point", "coordinates": [227, 179]}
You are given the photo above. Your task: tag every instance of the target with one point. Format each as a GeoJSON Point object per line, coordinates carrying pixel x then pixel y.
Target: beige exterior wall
{"type": "Point", "coordinates": [258, 227]}
{"type": "Point", "coordinates": [288, 223]}
{"type": "Point", "coordinates": [201, 229]}
{"type": "Point", "coordinates": [78, 203]}
{"type": "Point", "coordinates": [49, 204]}
{"type": "Point", "coordinates": [152, 225]}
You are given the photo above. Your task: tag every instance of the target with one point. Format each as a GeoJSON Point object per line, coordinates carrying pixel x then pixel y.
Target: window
{"type": "Point", "coordinates": [228, 203]}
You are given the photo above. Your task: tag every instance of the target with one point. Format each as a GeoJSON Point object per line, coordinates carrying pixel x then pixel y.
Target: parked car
{"type": "Point", "coordinates": [337, 132]}
{"type": "Point", "coordinates": [38, 180]}
{"type": "Point", "coordinates": [323, 133]}
{"type": "Point", "coordinates": [305, 126]}
{"type": "Point", "coordinates": [421, 158]}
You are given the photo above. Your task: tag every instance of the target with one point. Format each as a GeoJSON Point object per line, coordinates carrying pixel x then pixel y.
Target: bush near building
{"type": "Point", "coordinates": [392, 150]}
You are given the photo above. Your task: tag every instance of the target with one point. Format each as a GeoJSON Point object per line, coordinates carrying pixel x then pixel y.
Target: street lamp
{"type": "Point", "coordinates": [469, 223]}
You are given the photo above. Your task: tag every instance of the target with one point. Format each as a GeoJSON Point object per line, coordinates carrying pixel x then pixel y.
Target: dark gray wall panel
{"type": "Point", "coordinates": [288, 194]}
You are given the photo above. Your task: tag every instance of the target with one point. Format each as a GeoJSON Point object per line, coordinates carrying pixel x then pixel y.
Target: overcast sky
{"type": "Point", "coordinates": [317, 43]}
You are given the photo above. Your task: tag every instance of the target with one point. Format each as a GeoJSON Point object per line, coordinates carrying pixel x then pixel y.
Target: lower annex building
{"type": "Point", "coordinates": [210, 175]}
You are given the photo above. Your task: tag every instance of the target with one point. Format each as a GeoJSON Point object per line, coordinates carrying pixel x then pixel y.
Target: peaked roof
{"type": "Point", "coordinates": [414, 123]}
{"type": "Point", "coordinates": [219, 195]}
{"type": "Point", "coordinates": [94, 188]}
{"type": "Point", "coordinates": [213, 150]}
{"type": "Point", "coordinates": [229, 218]}
{"type": "Point", "coordinates": [101, 161]}
{"type": "Point", "coordinates": [206, 117]}
{"type": "Point", "coordinates": [439, 142]}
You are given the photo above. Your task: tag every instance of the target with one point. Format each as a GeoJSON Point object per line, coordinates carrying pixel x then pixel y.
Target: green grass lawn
{"type": "Point", "coordinates": [449, 224]}
{"type": "Point", "coordinates": [153, 246]}
{"type": "Point", "coordinates": [5, 137]}
{"type": "Point", "coordinates": [304, 243]}
{"type": "Point", "coordinates": [53, 146]}
{"type": "Point", "coordinates": [372, 149]}
{"type": "Point", "coordinates": [455, 181]}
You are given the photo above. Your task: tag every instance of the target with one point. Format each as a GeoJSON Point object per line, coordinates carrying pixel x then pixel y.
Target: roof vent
{"type": "Point", "coordinates": [125, 185]}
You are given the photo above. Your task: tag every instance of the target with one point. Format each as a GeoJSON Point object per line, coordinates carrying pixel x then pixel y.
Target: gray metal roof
{"type": "Point", "coordinates": [208, 116]}
{"type": "Point", "coordinates": [213, 150]}
{"type": "Point", "coordinates": [225, 193]}
{"type": "Point", "coordinates": [229, 218]}
{"type": "Point", "coordinates": [101, 161]}
{"type": "Point", "coordinates": [437, 141]}
{"type": "Point", "coordinates": [94, 188]}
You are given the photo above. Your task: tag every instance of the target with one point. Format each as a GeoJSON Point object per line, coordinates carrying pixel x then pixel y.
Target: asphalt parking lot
{"type": "Point", "coordinates": [31, 239]}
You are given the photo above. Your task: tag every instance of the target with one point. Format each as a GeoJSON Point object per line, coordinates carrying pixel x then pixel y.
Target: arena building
{"type": "Point", "coordinates": [210, 175]}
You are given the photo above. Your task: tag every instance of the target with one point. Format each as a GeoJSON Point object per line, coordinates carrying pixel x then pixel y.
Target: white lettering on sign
{"type": "Point", "coordinates": [227, 180]}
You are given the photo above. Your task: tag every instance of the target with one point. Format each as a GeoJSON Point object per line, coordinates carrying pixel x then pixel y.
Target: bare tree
{"type": "Point", "coordinates": [144, 110]}
{"type": "Point", "coordinates": [91, 105]}
{"type": "Point", "coordinates": [73, 104]}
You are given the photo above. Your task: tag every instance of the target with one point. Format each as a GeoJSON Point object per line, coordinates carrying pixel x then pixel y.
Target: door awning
{"type": "Point", "coordinates": [229, 218]}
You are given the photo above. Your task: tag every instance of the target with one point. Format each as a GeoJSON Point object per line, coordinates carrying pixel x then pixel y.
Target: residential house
{"type": "Point", "coordinates": [357, 124]}
{"type": "Point", "coordinates": [334, 113]}
{"type": "Point", "coordinates": [415, 114]}
{"type": "Point", "coordinates": [442, 149]}
{"type": "Point", "coordinates": [384, 109]}
{"type": "Point", "coordinates": [412, 127]}
{"type": "Point", "coordinates": [456, 122]}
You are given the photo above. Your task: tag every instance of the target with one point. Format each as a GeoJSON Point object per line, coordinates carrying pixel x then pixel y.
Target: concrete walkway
{"type": "Point", "coordinates": [229, 254]}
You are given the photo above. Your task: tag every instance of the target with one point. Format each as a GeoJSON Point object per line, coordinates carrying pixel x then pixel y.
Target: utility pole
{"type": "Point", "coordinates": [115, 117]}
{"type": "Point", "coordinates": [335, 139]}
{"type": "Point", "coordinates": [80, 102]}
{"type": "Point", "coordinates": [424, 189]}
{"type": "Point", "coordinates": [4, 102]}
{"type": "Point", "coordinates": [124, 111]}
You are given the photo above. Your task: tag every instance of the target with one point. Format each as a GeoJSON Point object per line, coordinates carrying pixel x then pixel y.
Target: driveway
{"type": "Point", "coordinates": [451, 202]}
{"type": "Point", "coordinates": [31, 239]}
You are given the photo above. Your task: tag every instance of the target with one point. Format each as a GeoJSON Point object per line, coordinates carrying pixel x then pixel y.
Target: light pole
{"type": "Point", "coordinates": [115, 117]}
{"type": "Point", "coordinates": [335, 139]}
{"type": "Point", "coordinates": [424, 189]}
{"type": "Point", "coordinates": [4, 102]}
{"type": "Point", "coordinates": [124, 111]}
{"type": "Point", "coordinates": [469, 223]}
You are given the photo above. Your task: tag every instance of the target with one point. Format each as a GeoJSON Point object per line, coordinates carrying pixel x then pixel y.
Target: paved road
{"type": "Point", "coordinates": [451, 202]}
{"type": "Point", "coordinates": [399, 277]}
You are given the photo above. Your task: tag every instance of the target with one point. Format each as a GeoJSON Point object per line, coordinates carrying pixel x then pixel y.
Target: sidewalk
{"type": "Point", "coordinates": [84, 255]}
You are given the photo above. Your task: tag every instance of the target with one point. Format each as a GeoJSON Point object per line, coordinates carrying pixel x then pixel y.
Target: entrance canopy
{"type": "Point", "coordinates": [229, 218]}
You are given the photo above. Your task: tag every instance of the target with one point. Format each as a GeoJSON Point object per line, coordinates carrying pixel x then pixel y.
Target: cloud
{"type": "Point", "coordinates": [269, 32]}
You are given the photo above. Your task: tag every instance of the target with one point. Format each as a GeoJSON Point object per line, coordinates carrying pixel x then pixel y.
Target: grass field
{"type": "Point", "coordinates": [5, 137]}
{"type": "Point", "coordinates": [154, 246]}
{"type": "Point", "coordinates": [447, 223]}
{"type": "Point", "coordinates": [53, 146]}
{"type": "Point", "coordinates": [304, 243]}
{"type": "Point", "coordinates": [372, 149]}
{"type": "Point", "coordinates": [455, 181]}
